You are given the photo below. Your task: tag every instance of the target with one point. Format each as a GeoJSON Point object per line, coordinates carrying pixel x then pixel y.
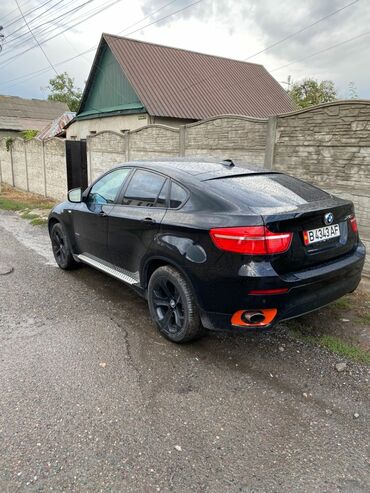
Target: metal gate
{"type": "Point", "coordinates": [76, 156]}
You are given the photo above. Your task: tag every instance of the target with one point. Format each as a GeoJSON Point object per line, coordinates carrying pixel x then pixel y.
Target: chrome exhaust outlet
{"type": "Point", "coordinates": [253, 317]}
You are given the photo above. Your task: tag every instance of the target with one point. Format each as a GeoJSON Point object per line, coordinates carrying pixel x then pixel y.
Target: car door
{"type": "Point", "coordinates": [90, 217]}
{"type": "Point", "coordinates": [134, 222]}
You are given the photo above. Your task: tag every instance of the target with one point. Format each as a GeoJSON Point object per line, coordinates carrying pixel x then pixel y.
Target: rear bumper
{"type": "Point", "coordinates": [308, 290]}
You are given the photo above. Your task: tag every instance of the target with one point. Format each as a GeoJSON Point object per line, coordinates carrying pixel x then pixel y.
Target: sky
{"type": "Point", "coordinates": [277, 34]}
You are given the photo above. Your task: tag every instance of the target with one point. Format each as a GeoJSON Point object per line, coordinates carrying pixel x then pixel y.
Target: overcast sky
{"type": "Point", "coordinates": [234, 29]}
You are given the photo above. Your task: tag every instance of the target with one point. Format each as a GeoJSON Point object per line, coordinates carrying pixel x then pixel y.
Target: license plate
{"type": "Point", "coordinates": [321, 234]}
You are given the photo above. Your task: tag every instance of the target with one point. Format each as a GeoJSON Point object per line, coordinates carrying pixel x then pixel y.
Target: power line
{"type": "Point", "coordinates": [49, 20]}
{"type": "Point", "coordinates": [321, 51]}
{"type": "Point", "coordinates": [44, 70]}
{"type": "Point", "coordinates": [301, 30]}
{"type": "Point", "coordinates": [56, 5]}
{"type": "Point", "coordinates": [28, 12]}
{"type": "Point", "coordinates": [104, 7]}
{"type": "Point", "coordinates": [41, 48]}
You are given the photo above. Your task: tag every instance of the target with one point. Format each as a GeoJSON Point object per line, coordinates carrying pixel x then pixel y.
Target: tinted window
{"type": "Point", "coordinates": [105, 190]}
{"type": "Point", "coordinates": [178, 196]}
{"type": "Point", "coordinates": [267, 190]}
{"type": "Point", "coordinates": [143, 189]}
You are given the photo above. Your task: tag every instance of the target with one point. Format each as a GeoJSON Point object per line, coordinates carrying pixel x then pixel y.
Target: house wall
{"type": "Point", "coordinates": [327, 145]}
{"type": "Point", "coordinates": [81, 129]}
{"type": "Point", "coordinates": [9, 134]}
{"type": "Point", "coordinates": [169, 122]}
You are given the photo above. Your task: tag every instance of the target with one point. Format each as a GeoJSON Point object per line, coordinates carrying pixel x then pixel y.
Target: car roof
{"type": "Point", "coordinates": [197, 169]}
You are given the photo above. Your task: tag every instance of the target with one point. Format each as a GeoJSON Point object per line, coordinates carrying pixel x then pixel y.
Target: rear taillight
{"type": "Point", "coordinates": [251, 240]}
{"type": "Point", "coordinates": [353, 223]}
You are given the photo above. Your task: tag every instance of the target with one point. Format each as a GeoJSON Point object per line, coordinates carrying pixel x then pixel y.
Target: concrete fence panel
{"type": "Point", "coordinates": [5, 164]}
{"type": "Point", "coordinates": [55, 168]}
{"type": "Point", "coordinates": [20, 170]}
{"type": "Point", "coordinates": [228, 136]}
{"type": "Point", "coordinates": [104, 150]}
{"type": "Point", "coordinates": [153, 141]}
{"type": "Point", "coordinates": [35, 166]}
{"type": "Point", "coordinates": [329, 146]}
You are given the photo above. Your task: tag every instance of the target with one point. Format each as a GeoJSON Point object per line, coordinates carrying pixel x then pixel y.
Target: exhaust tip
{"type": "Point", "coordinates": [253, 317]}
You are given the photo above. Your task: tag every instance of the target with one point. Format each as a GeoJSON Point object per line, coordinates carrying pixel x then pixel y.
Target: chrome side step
{"type": "Point", "coordinates": [108, 269]}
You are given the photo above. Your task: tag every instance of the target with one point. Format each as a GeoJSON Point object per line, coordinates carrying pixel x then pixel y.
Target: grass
{"type": "Point", "coordinates": [28, 205]}
{"type": "Point", "coordinates": [343, 349]}
{"type": "Point", "coordinates": [18, 205]}
{"type": "Point", "coordinates": [364, 319]}
{"type": "Point", "coordinates": [38, 221]}
{"type": "Point", "coordinates": [343, 304]}
{"type": "Point", "coordinates": [29, 215]}
{"type": "Point", "coordinates": [335, 345]}
{"type": "Point", "coordinates": [11, 205]}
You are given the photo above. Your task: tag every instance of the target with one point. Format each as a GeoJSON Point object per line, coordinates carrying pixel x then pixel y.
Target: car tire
{"type": "Point", "coordinates": [61, 247]}
{"type": "Point", "coordinates": [172, 306]}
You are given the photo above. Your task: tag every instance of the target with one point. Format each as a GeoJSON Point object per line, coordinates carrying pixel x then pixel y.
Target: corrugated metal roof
{"type": "Point", "coordinates": [184, 84]}
{"type": "Point", "coordinates": [56, 127]}
{"type": "Point", "coordinates": [26, 114]}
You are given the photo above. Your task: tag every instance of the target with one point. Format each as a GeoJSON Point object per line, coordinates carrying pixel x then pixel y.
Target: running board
{"type": "Point", "coordinates": [112, 271]}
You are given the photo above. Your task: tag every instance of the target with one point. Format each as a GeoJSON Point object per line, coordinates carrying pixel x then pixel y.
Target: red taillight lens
{"type": "Point", "coordinates": [269, 291]}
{"type": "Point", "coordinates": [251, 240]}
{"type": "Point", "coordinates": [353, 222]}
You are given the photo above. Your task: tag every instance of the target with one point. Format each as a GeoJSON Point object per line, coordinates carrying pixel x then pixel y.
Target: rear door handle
{"type": "Point", "coordinates": [103, 214]}
{"type": "Point", "coordinates": [148, 220]}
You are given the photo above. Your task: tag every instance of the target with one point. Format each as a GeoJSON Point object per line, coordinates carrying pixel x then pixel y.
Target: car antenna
{"type": "Point", "coordinates": [228, 162]}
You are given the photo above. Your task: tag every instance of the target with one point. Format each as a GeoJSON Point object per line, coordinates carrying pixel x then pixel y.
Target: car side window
{"type": "Point", "coordinates": [178, 196]}
{"type": "Point", "coordinates": [144, 189]}
{"type": "Point", "coordinates": [106, 189]}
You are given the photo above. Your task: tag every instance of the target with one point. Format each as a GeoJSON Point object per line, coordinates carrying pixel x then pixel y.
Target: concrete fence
{"type": "Point", "coordinates": [327, 145]}
{"type": "Point", "coordinates": [35, 166]}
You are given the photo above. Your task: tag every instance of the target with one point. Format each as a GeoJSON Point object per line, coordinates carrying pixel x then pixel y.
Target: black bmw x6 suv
{"type": "Point", "coordinates": [212, 244]}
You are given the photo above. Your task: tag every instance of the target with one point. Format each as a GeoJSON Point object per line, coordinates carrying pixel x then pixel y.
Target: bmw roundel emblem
{"type": "Point", "coordinates": [328, 218]}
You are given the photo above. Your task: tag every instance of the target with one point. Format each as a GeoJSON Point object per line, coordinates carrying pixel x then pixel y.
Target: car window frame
{"type": "Point", "coordinates": [169, 196]}
{"type": "Point", "coordinates": [123, 190]}
{"type": "Point", "coordinates": [129, 174]}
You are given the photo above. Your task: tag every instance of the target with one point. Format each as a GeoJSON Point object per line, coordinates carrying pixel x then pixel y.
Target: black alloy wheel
{"type": "Point", "coordinates": [172, 305]}
{"type": "Point", "coordinates": [168, 306]}
{"type": "Point", "coordinates": [61, 249]}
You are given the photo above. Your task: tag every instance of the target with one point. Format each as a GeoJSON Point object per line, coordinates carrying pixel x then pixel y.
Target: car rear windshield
{"type": "Point", "coordinates": [267, 190]}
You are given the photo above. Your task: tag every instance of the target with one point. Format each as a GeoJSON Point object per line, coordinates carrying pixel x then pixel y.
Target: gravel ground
{"type": "Point", "coordinates": [93, 399]}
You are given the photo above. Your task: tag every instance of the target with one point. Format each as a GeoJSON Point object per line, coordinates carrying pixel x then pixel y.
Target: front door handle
{"type": "Point", "coordinates": [148, 220]}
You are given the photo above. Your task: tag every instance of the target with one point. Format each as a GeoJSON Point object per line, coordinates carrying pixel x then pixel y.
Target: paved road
{"type": "Point", "coordinates": [93, 399]}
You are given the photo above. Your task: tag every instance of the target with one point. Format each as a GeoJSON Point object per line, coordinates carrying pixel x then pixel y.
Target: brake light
{"type": "Point", "coordinates": [251, 240]}
{"type": "Point", "coordinates": [353, 222]}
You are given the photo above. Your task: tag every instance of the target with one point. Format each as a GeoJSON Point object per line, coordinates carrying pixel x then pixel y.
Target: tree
{"type": "Point", "coordinates": [352, 91]}
{"type": "Point", "coordinates": [62, 89]}
{"type": "Point", "coordinates": [310, 92]}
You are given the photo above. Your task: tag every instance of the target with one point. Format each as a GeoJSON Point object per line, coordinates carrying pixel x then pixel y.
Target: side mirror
{"type": "Point", "coordinates": [75, 195]}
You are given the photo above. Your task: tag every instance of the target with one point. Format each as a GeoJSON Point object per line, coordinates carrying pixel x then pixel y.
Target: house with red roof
{"type": "Point", "coordinates": [134, 83]}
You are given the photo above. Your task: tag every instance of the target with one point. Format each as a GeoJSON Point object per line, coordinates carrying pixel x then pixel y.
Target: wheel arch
{"type": "Point", "coordinates": [153, 263]}
{"type": "Point", "coordinates": [52, 221]}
